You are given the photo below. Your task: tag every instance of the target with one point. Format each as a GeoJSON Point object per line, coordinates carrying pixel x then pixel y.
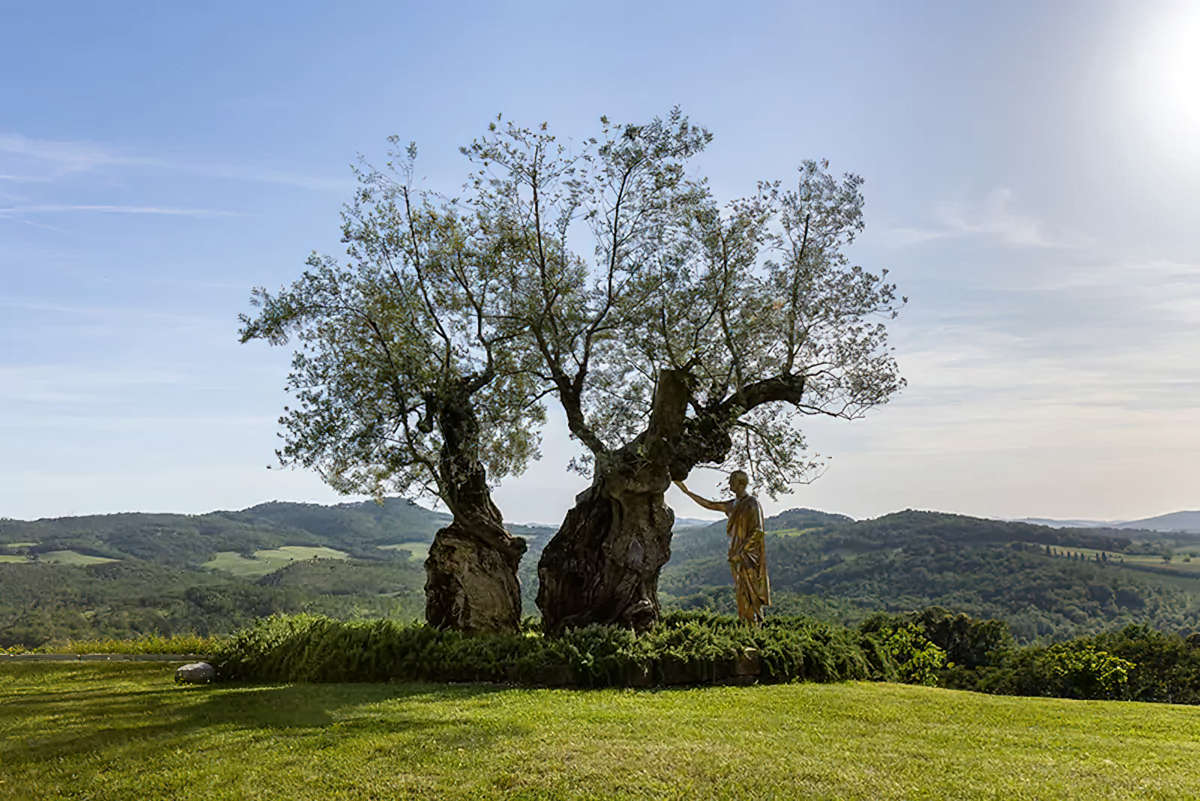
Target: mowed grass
{"type": "Point", "coordinates": [123, 731]}
{"type": "Point", "coordinates": [269, 560]}
{"type": "Point", "coordinates": [416, 550]}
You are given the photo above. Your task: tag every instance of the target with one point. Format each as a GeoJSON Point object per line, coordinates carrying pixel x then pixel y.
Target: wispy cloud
{"type": "Point", "coordinates": [54, 158]}
{"type": "Point", "coordinates": [25, 159]}
{"type": "Point", "coordinates": [77, 385]}
{"type": "Point", "coordinates": [994, 217]}
{"type": "Point", "coordinates": [262, 175]}
{"type": "Point", "coordinates": [104, 208]}
{"type": "Point", "coordinates": [108, 315]}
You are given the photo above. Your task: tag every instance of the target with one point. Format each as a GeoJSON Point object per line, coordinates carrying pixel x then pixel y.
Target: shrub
{"type": "Point", "coordinates": [1167, 666]}
{"type": "Point", "coordinates": [917, 659]}
{"type": "Point", "coordinates": [968, 642]}
{"type": "Point", "coordinates": [1075, 669]}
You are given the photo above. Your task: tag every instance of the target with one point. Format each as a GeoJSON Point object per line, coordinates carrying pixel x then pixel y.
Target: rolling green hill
{"type": "Point", "coordinates": [126, 574]}
{"type": "Point", "coordinates": [129, 574]}
{"type": "Point", "coordinates": [358, 529]}
{"type": "Point", "coordinates": [1045, 582]}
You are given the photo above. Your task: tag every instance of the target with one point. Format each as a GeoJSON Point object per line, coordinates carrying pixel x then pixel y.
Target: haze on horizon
{"type": "Point", "coordinates": [1031, 175]}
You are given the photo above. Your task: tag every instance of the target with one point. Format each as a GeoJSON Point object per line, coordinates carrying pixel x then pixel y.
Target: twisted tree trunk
{"type": "Point", "coordinates": [471, 573]}
{"type": "Point", "coordinates": [602, 565]}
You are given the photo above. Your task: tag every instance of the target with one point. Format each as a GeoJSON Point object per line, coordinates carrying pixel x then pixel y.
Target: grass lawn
{"type": "Point", "coordinates": [269, 560]}
{"type": "Point", "coordinates": [124, 731]}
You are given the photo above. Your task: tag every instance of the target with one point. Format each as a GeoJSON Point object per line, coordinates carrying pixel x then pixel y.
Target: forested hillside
{"type": "Point", "coordinates": [127, 574]}
{"type": "Point", "coordinates": [117, 575]}
{"type": "Point", "coordinates": [1046, 582]}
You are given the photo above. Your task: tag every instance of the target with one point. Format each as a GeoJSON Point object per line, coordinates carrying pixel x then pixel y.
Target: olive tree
{"type": "Point", "coordinates": [681, 333]}
{"type": "Point", "coordinates": [403, 383]}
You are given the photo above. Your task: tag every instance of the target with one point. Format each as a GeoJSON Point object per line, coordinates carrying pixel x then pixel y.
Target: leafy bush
{"type": "Point", "coordinates": [917, 659]}
{"type": "Point", "coordinates": [1075, 669]}
{"type": "Point", "coordinates": [967, 642]}
{"type": "Point", "coordinates": [1167, 666]}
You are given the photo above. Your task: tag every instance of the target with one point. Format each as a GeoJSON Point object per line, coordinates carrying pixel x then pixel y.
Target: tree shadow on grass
{"type": "Point", "coordinates": [56, 725]}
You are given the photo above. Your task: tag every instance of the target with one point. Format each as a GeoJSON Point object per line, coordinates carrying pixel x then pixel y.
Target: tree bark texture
{"type": "Point", "coordinates": [471, 574]}
{"type": "Point", "coordinates": [602, 565]}
{"type": "Point", "coordinates": [471, 579]}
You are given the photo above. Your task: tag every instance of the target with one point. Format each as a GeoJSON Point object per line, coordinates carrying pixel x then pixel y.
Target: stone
{"type": "Point", "coordinates": [195, 673]}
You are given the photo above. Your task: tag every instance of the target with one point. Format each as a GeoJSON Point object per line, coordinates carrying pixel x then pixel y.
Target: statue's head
{"type": "Point", "coordinates": [738, 481]}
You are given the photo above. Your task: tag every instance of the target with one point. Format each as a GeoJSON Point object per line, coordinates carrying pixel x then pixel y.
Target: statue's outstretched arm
{"type": "Point", "coordinates": [716, 506]}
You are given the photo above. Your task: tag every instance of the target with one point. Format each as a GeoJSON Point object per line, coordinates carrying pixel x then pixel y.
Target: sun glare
{"type": "Point", "coordinates": [1166, 78]}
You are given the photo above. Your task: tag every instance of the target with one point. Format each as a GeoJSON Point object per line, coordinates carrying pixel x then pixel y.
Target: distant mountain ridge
{"type": "Point", "coordinates": [1184, 521]}
{"type": "Point", "coordinates": [691, 522]}
{"type": "Point", "coordinates": [1055, 523]}
{"type": "Point", "coordinates": [1174, 521]}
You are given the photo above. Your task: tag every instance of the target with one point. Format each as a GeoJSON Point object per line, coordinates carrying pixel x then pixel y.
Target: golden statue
{"type": "Point", "coordinates": [747, 551]}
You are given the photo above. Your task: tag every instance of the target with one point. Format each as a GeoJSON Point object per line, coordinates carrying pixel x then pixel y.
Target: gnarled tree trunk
{"type": "Point", "coordinates": [471, 573]}
{"type": "Point", "coordinates": [471, 578]}
{"type": "Point", "coordinates": [602, 565]}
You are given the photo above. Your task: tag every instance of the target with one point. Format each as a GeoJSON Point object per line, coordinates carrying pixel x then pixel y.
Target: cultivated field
{"type": "Point", "coordinates": [269, 560]}
{"type": "Point", "coordinates": [123, 731]}
{"type": "Point", "coordinates": [71, 558]}
{"type": "Point", "coordinates": [1190, 567]}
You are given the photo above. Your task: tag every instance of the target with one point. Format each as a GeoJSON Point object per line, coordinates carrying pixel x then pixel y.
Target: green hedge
{"type": "Point", "coordinates": [1134, 663]}
{"type": "Point", "coordinates": [684, 648]}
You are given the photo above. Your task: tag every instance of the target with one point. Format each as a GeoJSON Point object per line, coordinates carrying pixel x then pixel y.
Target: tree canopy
{"type": "Point", "coordinates": [394, 336]}
{"type": "Point", "coordinates": [626, 266]}
{"type": "Point", "coordinates": [405, 381]}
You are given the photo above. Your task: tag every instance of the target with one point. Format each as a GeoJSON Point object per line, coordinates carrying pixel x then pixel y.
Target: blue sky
{"type": "Point", "coordinates": [1031, 170]}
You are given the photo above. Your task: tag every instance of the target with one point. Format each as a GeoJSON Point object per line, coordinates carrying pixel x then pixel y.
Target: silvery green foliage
{"type": "Point", "coordinates": [624, 194]}
{"type": "Point", "coordinates": [389, 337]}
{"type": "Point", "coordinates": [780, 324]}
{"type": "Point", "coordinates": [622, 264]}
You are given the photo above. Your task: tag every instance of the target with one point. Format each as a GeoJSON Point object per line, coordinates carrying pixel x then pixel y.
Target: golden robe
{"type": "Point", "coordinates": [748, 557]}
